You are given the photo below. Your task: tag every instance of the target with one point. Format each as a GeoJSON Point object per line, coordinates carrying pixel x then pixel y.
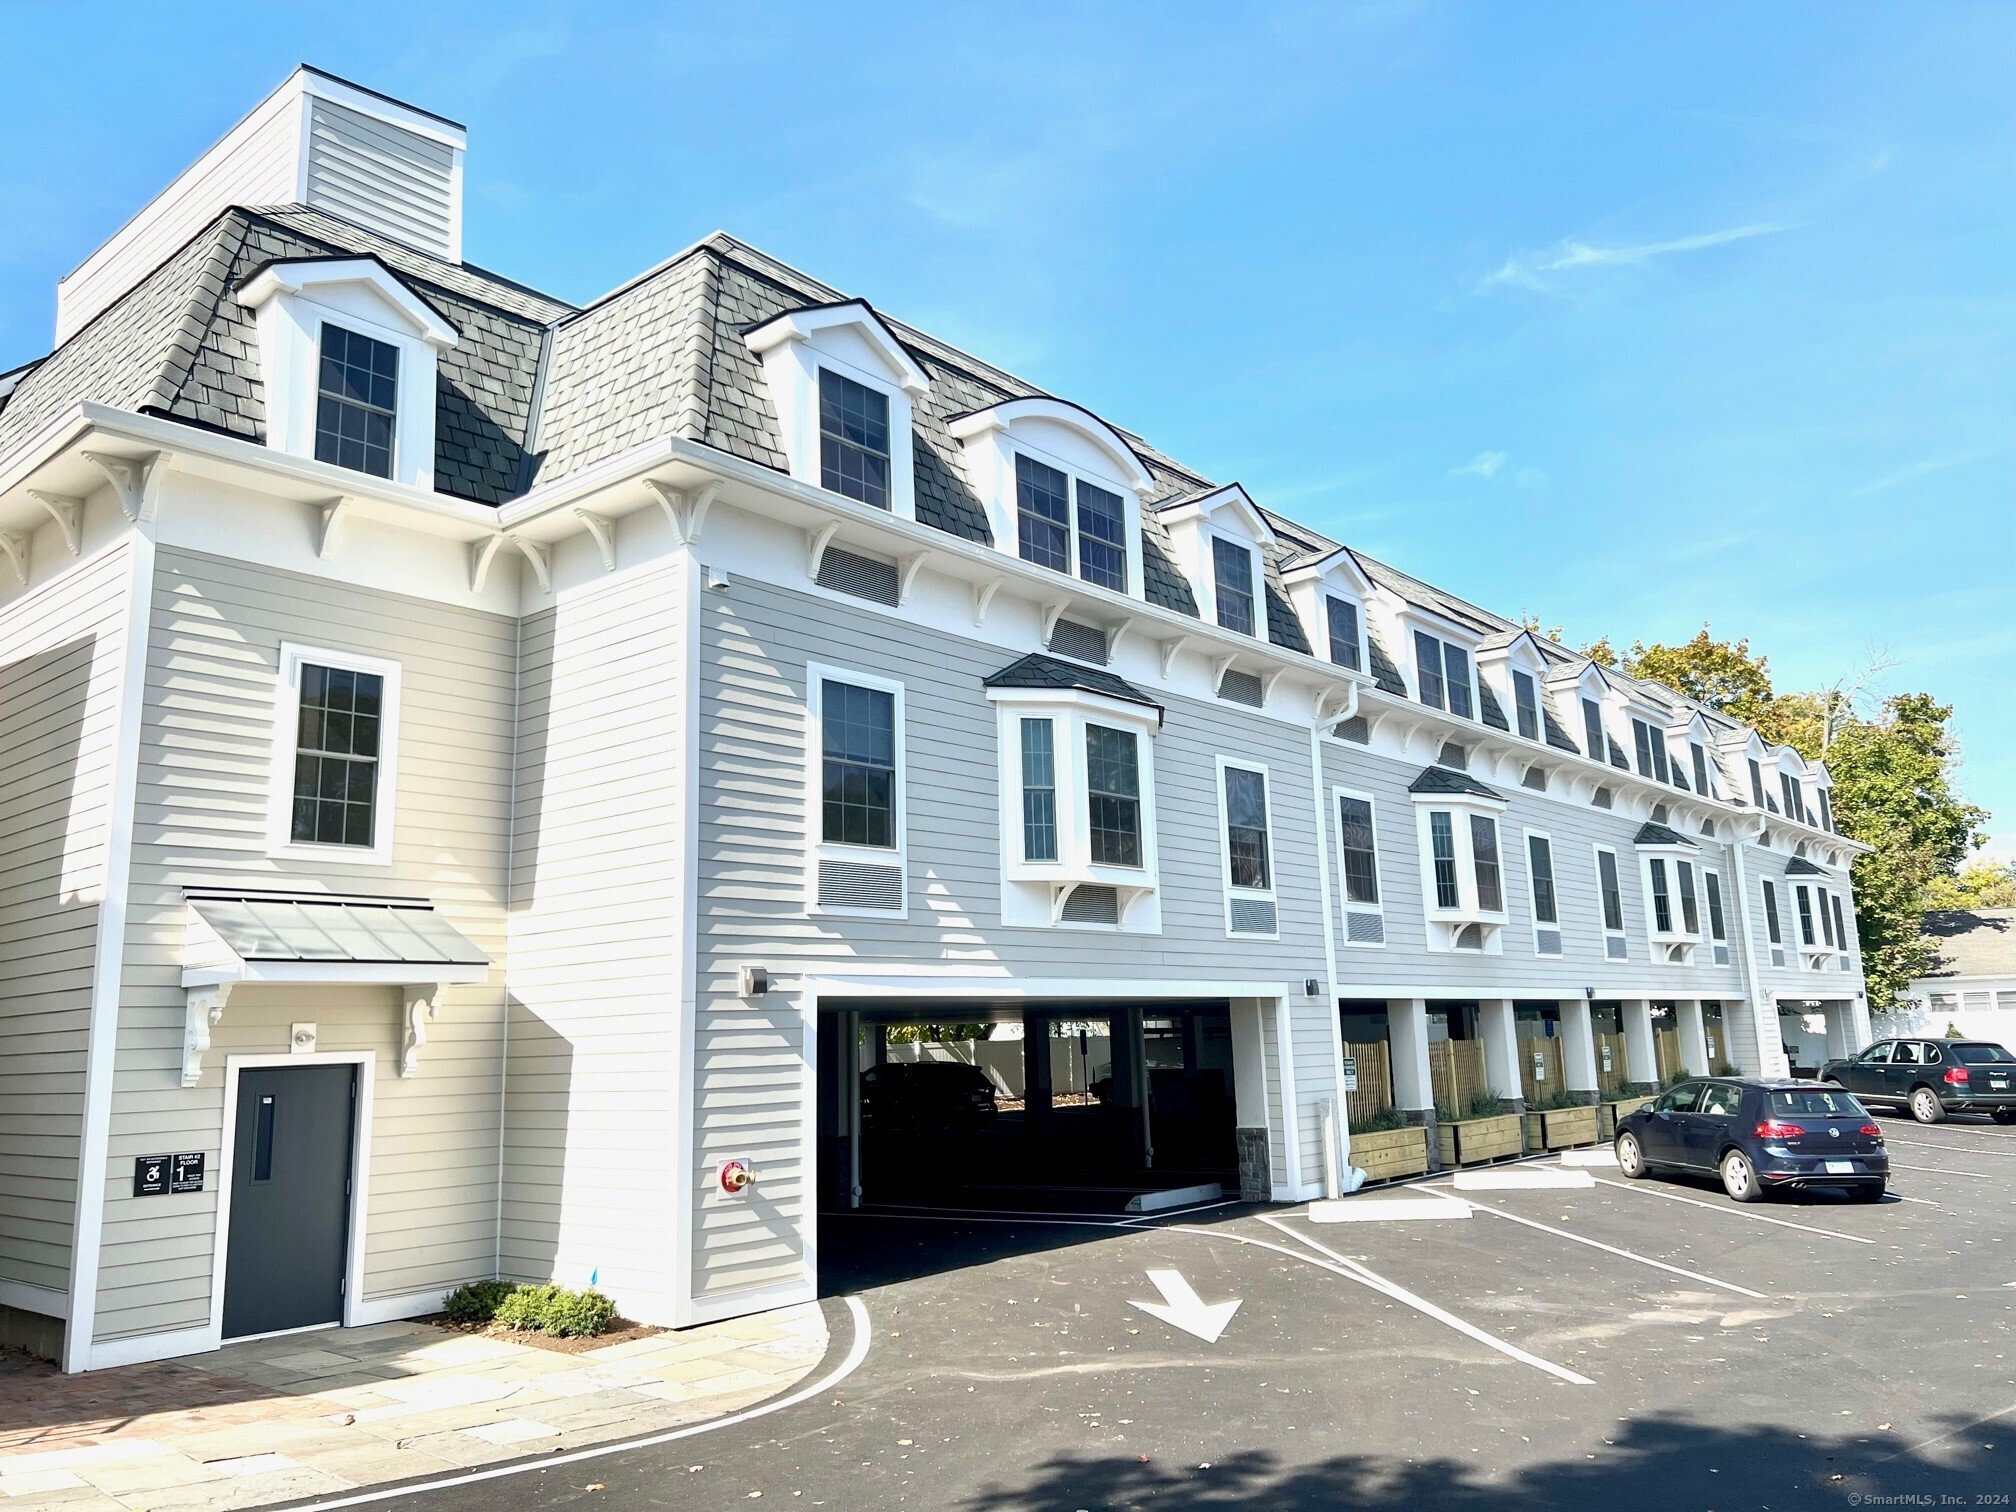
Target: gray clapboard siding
{"type": "Point", "coordinates": [199, 820]}
{"type": "Point", "coordinates": [597, 938]}
{"type": "Point", "coordinates": [61, 653]}
{"type": "Point", "coordinates": [384, 179]}
{"type": "Point", "coordinates": [752, 1090]}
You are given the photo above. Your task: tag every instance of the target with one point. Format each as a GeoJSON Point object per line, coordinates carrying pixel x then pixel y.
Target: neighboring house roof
{"type": "Point", "coordinates": [1659, 834]}
{"type": "Point", "coordinates": [1440, 779]}
{"type": "Point", "coordinates": [1976, 942]}
{"type": "Point", "coordinates": [1039, 671]}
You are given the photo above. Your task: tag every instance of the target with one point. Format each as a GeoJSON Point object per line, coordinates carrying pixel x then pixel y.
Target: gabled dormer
{"type": "Point", "coordinates": [1691, 743]}
{"type": "Point", "coordinates": [1788, 768]}
{"type": "Point", "coordinates": [1221, 541]}
{"type": "Point", "coordinates": [1590, 697]}
{"type": "Point", "coordinates": [1061, 488]}
{"type": "Point", "coordinates": [348, 351]}
{"type": "Point", "coordinates": [1331, 595]}
{"type": "Point", "coordinates": [844, 388]}
{"type": "Point", "coordinates": [1438, 655]}
{"type": "Point", "coordinates": [1514, 669]}
{"type": "Point", "coordinates": [1823, 794]}
{"type": "Point", "coordinates": [1748, 756]}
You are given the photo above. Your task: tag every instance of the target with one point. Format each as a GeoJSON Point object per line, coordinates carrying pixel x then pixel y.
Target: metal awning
{"type": "Point", "coordinates": [318, 940]}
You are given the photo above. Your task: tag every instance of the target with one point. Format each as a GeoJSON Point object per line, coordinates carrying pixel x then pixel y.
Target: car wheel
{"type": "Point", "coordinates": [1866, 1193]}
{"type": "Point", "coordinates": [1926, 1107]}
{"type": "Point", "coordinates": [2003, 1115]}
{"type": "Point", "coordinates": [1630, 1159]}
{"type": "Point", "coordinates": [1739, 1177]}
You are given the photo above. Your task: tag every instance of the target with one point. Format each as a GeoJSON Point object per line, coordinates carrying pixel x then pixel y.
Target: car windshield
{"type": "Point", "coordinates": [1816, 1102]}
{"type": "Point", "coordinates": [1982, 1055]}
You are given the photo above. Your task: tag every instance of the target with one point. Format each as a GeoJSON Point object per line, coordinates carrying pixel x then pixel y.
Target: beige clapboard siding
{"type": "Point", "coordinates": [61, 653]}
{"type": "Point", "coordinates": [200, 819]}
{"type": "Point", "coordinates": [751, 1084]}
{"type": "Point", "coordinates": [596, 938]}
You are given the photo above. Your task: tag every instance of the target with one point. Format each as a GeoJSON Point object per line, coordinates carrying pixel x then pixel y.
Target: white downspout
{"type": "Point", "coordinates": [1764, 1015]}
{"type": "Point", "coordinates": [1336, 1122]}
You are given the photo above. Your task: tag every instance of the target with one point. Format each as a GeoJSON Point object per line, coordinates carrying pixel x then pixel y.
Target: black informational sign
{"type": "Point", "coordinates": [150, 1176]}
{"type": "Point", "coordinates": [185, 1173]}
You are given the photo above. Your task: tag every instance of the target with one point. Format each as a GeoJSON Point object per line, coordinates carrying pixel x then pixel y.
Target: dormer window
{"type": "Point", "coordinates": [1232, 581]}
{"type": "Point", "coordinates": [356, 412]}
{"type": "Point", "coordinates": [1789, 786]}
{"type": "Point", "coordinates": [1826, 809]}
{"type": "Point", "coordinates": [1592, 730]}
{"type": "Point", "coordinates": [1651, 746]}
{"type": "Point", "coordinates": [853, 439]}
{"type": "Point", "coordinates": [1699, 753]}
{"type": "Point", "coordinates": [1443, 672]}
{"type": "Point", "coordinates": [1526, 704]}
{"type": "Point", "coordinates": [1045, 530]}
{"type": "Point", "coordinates": [1347, 642]}
{"type": "Point", "coordinates": [1756, 783]}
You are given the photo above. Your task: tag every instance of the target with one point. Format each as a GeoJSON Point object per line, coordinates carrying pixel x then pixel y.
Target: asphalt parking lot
{"type": "Point", "coordinates": [1650, 1341]}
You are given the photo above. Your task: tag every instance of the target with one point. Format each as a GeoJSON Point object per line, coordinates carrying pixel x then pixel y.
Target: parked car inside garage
{"type": "Point", "coordinates": [1757, 1136]}
{"type": "Point", "coordinates": [1932, 1077]}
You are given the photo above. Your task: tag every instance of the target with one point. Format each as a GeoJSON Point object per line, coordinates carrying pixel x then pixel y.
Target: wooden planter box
{"type": "Point", "coordinates": [1386, 1154]}
{"type": "Point", "coordinates": [1561, 1128]}
{"type": "Point", "coordinates": [1473, 1141]}
{"type": "Point", "coordinates": [1612, 1111]}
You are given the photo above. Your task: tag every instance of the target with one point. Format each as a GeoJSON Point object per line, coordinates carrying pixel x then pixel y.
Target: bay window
{"type": "Point", "coordinates": [1718, 924]}
{"type": "Point", "coordinates": [1462, 870]}
{"type": "Point", "coordinates": [1113, 795]}
{"type": "Point", "coordinates": [1672, 895]}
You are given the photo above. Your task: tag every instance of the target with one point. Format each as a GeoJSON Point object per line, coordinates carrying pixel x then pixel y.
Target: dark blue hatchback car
{"type": "Point", "coordinates": [1757, 1135]}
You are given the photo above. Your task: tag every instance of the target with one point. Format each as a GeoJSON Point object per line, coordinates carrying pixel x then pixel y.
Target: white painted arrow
{"type": "Point", "coordinates": [1182, 1308]}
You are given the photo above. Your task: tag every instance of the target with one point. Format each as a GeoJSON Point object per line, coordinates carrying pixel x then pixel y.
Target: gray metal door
{"type": "Point", "coordinates": [290, 1199]}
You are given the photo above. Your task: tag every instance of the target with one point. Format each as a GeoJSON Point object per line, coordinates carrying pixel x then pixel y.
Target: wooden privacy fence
{"type": "Point", "coordinates": [1375, 1082]}
{"type": "Point", "coordinates": [1666, 1052]}
{"type": "Point", "coordinates": [1611, 1078]}
{"type": "Point", "coordinates": [1548, 1053]}
{"type": "Point", "coordinates": [1456, 1071]}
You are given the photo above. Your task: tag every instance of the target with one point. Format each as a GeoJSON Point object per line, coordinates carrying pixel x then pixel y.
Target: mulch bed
{"type": "Point", "coordinates": [620, 1331]}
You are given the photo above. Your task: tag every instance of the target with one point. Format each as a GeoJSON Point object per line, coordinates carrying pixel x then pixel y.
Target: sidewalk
{"type": "Point", "coordinates": [317, 1413]}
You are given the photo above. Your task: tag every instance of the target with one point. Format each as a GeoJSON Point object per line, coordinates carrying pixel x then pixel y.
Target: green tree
{"type": "Point", "coordinates": [1724, 675]}
{"type": "Point", "coordinates": [1981, 883]}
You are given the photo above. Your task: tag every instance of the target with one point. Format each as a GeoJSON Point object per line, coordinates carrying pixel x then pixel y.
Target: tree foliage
{"type": "Point", "coordinates": [1980, 883]}
{"type": "Point", "coordinates": [1892, 767]}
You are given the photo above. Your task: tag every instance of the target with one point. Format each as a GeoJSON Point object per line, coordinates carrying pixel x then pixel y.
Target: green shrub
{"type": "Point", "coordinates": [553, 1309]}
{"type": "Point", "coordinates": [1683, 1074]}
{"type": "Point", "coordinates": [1725, 1069]}
{"type": "Point", "coordinates": [1485, 1105]}
{"type": "Point", "coordinates": [1556, 1101]}
{"type": "Point", "coordinates": [475, 1302]}
{"type": "Point", "coordinates": [1380, 1122]}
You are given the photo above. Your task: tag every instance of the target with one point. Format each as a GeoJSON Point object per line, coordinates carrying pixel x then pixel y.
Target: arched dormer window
{"type": "Point", "coordinates": [844, 388]}
{"type": "Point", "coordinates": [1330, 593]}
{"type": "Point", "coordinates": [348, 353]}
{"type": "Point", "coordinates": [1061, 488]}
{"type": "Point", "coordinates": [1221, 540]}
{"type": "Point", "coordinates": [1792, 787]}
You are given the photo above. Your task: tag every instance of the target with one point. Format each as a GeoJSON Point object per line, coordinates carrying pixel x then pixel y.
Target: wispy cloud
{"type": "Point", "coordinates": [1911, 473]}
{"type": "Point", "coordinates": [1524, 270]}
{"type": "Point", "coordinates": [1483, 465]}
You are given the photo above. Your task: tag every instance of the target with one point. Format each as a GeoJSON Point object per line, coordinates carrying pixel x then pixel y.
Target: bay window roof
{"type": "Point", "coordinates": [1659, 834]}
{"type": "Point", "coordinates": [1441, 780]}
{"type": "Point", "coordinates": [1047, 672]}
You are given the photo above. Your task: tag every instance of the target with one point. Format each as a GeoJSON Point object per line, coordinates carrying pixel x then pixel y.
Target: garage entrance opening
{"type": "Point", "coordinates": [1079, 1107]}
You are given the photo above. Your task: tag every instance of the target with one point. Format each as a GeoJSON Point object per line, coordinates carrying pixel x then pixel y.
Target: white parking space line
{"type": "Point", "coordinates": [1351, 1271]}
{"type": "Point", "coordinates": [1676, 1270]}
{"type": "Point", "coordinates": [1898, 1165]}
{"type": "Point", "coordinates": [1949, 1147]}
{"type": "Point", "coordinates": [1733, 1212]}
{"type": "Point", "coordinates": [1921, 1201]}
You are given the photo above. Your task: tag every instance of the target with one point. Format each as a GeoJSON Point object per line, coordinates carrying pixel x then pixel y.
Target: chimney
{"type": "Point", "coordinates": [318, 141]}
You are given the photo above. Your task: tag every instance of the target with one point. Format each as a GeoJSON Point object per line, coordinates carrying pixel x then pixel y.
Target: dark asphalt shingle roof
{"type": "Point", "coordinates": [1799, 866]}
{"type": "Point", "coordinates": [1441, 779]}
{"type": "Point", "coordinates": [1973, 942]}
{"type": "Point", "coordinates": [1039, 671]}
{"type": "Point", "coordinates": [1659, 834]}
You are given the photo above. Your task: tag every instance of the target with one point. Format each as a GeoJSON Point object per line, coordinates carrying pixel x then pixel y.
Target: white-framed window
{"type": "Point", "coordinates": [1826, 798]}
{"type": "Point", "coordinates": [1078, 810]}
{"type": "Point", "coordinates": [1774, 926]}
{"type": "Point", "coordinates": [1718, 919]}
{"type": "Point", "coordinates": [1245, 825]}
{"type": "Point", "coordinates": [1704, 782]}
{"type": "Point", "coordinates": [349, 357]}
{"type": "Point", "coordinates": [1526, 704]}
{"type": "Point", "coordinates": [1358, 868]}
{"type": "Point", "coordinates": [334, 781]}
{"type": "Point", "coordinates": [1610, 903]}
{"type": "Point", "coordinates": [1462, 872]}
{"type": "Point", "coordinates": [844, 389]}
{"type": "Point", "coordinates": [1235, 586]}
{"type": "Point", "coordinates": [1788, 785]}
{"type": "Point", "coordinates": [856, 800]}
{"type": "Point", "coordinates": [1840, 931]}
{"type": "Point", "coordinates": [1592, 730]}
{"type": "Point", "coordinates": [1546, 900]}
{"type": "Point", "coordinates": [1672, 902]}
{"type": "Point", "coordinates": [1069, 524]}
{"type": "Point", "coordinates": [1345, 624]}
{"type": "Point", "coordinates": [1650, 743]}
{"type": "Point", "coordinates": [1756, 782]}
{"type": "Point", "coordinates": [1443, 675]}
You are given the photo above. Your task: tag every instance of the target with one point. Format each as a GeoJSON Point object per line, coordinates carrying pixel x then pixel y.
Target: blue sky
{"type": "Point", "coordinates": [1630, 317]}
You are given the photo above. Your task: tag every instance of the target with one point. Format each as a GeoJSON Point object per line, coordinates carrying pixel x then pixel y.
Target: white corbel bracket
{"type": "Point", "coordinates": [906, 575]}
{"type": "Point", "coordinates": [983, 595]}
{"type": "Point", "coordinates": [68, 513]}
{"type": "Point", "coordinates": [542, 563]}
{"type": "Point", "coordinates": [205, 1008]}
{"type": "Point", "coordinates": [685, 509]}
{"type": "Point", "coordinates": [15, 549]}
{"type": "Point", "coordinates": [816, 542]}
{"type": "Point", "coordinates": [604, 532]}
{"type": "Point", "coordinates": [1171, 649]}
{"type": "Point", "coordinates": [1051, 613]}
{"type": "Point", "coordinates": [1117, 632]}
{"type": "Point", "coordinates": [329, 518]}
{"type": "Point", "coordinates": [481, 554]}
{"type": "Point", "coordinates": [423, 1005]}
{"type": "Point", "coordinates": [137, 480]}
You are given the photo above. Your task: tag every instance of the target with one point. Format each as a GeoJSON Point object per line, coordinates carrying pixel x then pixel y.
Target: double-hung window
{"type": "Point", "coordinates": [1756, 783]}
{"type": "Point", "coordinates": [336, 737]}
{"type": "Point", "coordinates": [1820, 897]}
{"type": "Point", "coordinates": [1249, 860]}
{"type": "Point", "coordinates": [1039, 789]}
{"type": "Point", "coordinates": [1484, 859]}
{"type": "Point", "coordinates": [1690, 905]}
{"type": "Point", "coordinates": [1610, 890]}
{"type": "Point", "coordinates": [1232, 580]}
{"type": "Point", "coordinates": [1662, 897]}
{"type": "Point", "coordinates": [1443, 671]}
{"type": "Point", "coordinates": [357, 401]}
{"type": "Point", "coordinates": [1700, 755]}
{"type": "Point", "coordinates": [1442, 839]}
{"type": "Point", "coordinates": [1826, 809]}
{"type": "Point", "coordinates": [1358, 861]}
{"type": "Point", "coordinates": [1840, 928]}
{"type": "Point", "coordinates": [1347, 645]}
{"type": "Point", "coordinates": [1113, 789]}
{"type": "Point", "coordinates": [1043, 513]}
{"type": "Point", "coordinates": [1804, 896]}
{"type": "Point", "coordinates": [1592, 730]}
{"type": "Point", "coordinates": [1788, 786]}
{"type": "Point", "coordinates": [1773, 927]}
{"type": "Point", "coordinates": [1102, 537]}
{"type": "Point", "coordinates": [1546, 906]}
{"type": "Point", "coordinates": [1718, 924]}
{"type": "Point", "coordinates": [853, 439]}
{"type": "Point", "coordinates": [858, 766]}
{"type": "Point", "coordinates": [1651, 744]}
{"type": "Point", "coordinates": [1526, 704]}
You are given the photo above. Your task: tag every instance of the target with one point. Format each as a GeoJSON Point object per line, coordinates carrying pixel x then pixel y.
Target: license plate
{"type": "Point", "coordinates": [1999, 1083]}
{"type": "Point", "coordinates": [1840, 1167]}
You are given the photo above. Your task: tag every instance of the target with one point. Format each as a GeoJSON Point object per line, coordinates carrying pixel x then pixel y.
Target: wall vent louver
{"type": "Point", "coordinates": [1253, 916]}
{"type": "Point", "coordinates": [1547, 941]}
{"type": "Point", "coordinates": [1092, 905]}
{"type": "Point", "coordinates": [863, 577]}
{"type": "Point", "coordinates": [1354, 729]}
{"type": "Point", "coordinates": [852, 884]}
{"type": "Point", "coordinates": [1615, 950]}
{"type": "Point", "coordinates": [1454, 756]}
{"type": "Point", "coordinates": [1086, 643]}
{"type": "Point", "coordinates": [1241, 688]}
{"type": "Point", "coordinates": [1365, 928]}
